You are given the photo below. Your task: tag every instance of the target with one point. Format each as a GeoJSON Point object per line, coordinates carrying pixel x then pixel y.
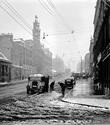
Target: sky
{"type": "Point", "coordinates": [62, 17]}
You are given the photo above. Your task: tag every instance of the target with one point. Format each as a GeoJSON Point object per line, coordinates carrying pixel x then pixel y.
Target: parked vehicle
{"type": "Point", "coordinates": [37, 83]}
{"type": "Point", "coordinates": [70, 82]}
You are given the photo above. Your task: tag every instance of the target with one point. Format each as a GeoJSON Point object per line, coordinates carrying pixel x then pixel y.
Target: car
{"type": "Point", "coordinates": [70, 82]}
{"type": "Point", "coordinates": [36, 84]}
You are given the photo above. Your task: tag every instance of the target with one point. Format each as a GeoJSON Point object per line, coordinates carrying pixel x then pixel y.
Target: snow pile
{"type": "Point", "coordinates": [54, 95]}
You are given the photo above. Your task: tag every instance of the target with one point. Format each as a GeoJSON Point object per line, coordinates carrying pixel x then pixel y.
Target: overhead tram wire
{"type": "Point", "coordinates": [58, 34]}
{"type": "Point", "coordinates": [12, 9]}
{"type": "Point", "coordinates": [49, 8]}
{"type": "Point", "coordinates": [19, 15]}
{"type": "Point", "coordinates": [62, 19]}
{"type": "Point", "coordinates": [58, 14]}
{"type": "Point", "coordinates": [45, 8]}
{"type": "Point", "coordinates": [49, 1]}
{"type": "Point", "coordinates": [15, 20]}
{"type": "Point", "coordinates": [55, 9]}
{"type": "Point", "coordinates": [53, 13]}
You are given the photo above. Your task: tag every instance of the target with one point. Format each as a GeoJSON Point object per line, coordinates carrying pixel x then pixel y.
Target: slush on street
{"type": "Point", "coordinates": [55, 62]}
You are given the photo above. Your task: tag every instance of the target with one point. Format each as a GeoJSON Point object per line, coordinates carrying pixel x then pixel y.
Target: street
{"type": "Point", "coordinates": [49, 108]}
{"type": "Point", "coordinates": [17, 88]}
{"type": "Point", "coordinates": [54, 62]}
{"type": "Point", "coordinates": [11, 90]}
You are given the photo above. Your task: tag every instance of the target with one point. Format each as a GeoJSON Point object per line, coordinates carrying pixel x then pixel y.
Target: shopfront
{"type": "Point", "coordinates": [106, 69]}
{"type": "Point", "coordinates": [5, 69]}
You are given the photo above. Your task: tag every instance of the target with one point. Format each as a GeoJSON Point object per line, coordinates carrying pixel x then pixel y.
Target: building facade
{"type": "Point", "coordinates": [21, 57]}
{"type": "Point", "coordinates": [87, 63]}
{"type": "Point", "coordinates": [101, 49]}
{"type": "Point", "coordinates": [5, 57]}
{"type": "Point", "coordinates": [6, 41]}
{"type": "Point", "coordinates": [91, 56]}
{"type": "Point", "coordinates": [5, 68]}
{"type": "Point", "coordinates": [24, 57]}
{"type": "Point", "coordinates": [81, 66]}
{"type": "Point", "coordinates": [42, 57]}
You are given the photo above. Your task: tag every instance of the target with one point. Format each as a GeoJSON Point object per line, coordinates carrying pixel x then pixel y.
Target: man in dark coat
{"type": "Point", "coordinates": [46, 83]}
{"type": "Point", "coordinates": [52, 86]}
{"type": "Point", "coordinates": [62, 85]}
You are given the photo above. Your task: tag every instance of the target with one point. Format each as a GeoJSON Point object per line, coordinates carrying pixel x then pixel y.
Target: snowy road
{"type": "Point", "coordinates": [49, 109]}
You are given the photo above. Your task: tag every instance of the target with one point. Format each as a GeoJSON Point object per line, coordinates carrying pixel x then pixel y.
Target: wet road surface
{"type": "Point", "coordinates": [48, 108]}
{"type": "Point", "coordinates": [13, 89]}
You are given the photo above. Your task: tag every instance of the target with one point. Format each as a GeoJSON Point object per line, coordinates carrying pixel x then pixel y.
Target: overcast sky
{"type": "Point", "coordinates": [65, 16]}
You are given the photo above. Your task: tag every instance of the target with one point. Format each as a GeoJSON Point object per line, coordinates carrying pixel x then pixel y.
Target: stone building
{"type": "Point", "coordinates": [26, 56]}
{"type": "Point", "coordinates": [91, 56]}
{"type": "Point", "coordinates": [101, 49]}
{"type": "Point", "coordinates": [5, 56]}
{"type": "Point", "coordinates": [87, 63]}
{"type": "Point", "coordinates": [21, 57]}
{"type": "Point", "coordinates": [6, 41]}
{"type": "Point", "coordinates": [5, 68]}
{"type": "Point", "coordinates": [81, 66]}
{"type": "Point", "coordinates": [42, 57]}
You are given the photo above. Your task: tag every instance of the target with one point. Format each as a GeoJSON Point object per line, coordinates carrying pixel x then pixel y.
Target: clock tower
{"type": "Point", "coordinates": [36, 32]}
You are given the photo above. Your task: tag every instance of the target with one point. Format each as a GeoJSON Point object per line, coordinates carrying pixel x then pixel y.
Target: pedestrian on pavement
{"type": "Point", "coordinates": [52, 86]}
{"type": "Point", "coordinates": [46, 86]}
{"type": "Point", "coordinates": [62, 85]}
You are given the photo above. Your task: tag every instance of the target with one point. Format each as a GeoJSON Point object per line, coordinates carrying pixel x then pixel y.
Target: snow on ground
{"type": "Point", "coordinates": [51, 109]}
{"type": "Point", "coordinates": [48, 108]}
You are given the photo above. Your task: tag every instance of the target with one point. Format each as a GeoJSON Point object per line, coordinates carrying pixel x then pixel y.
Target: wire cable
{"type": "Point", "coordinates": [45, 8]}
{"type": "Point", "coordinates": [58, 34]}
{"type": "Point", "coordinates": [50, 8]}
{"type": "Point", "coordinates": [58, 14]}
{"type": "Point", "coordinates": [12, 9]}
{"type": "Point", "coordinates": [15, 19]}
{"type": "Point", "coordinates": [45, 3]}
{"type": "Point", "coordinates": [51, 3]}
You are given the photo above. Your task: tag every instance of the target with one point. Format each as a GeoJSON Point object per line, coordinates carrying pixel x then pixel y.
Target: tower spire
{"type": "Point", "coordinates": [36, 31]}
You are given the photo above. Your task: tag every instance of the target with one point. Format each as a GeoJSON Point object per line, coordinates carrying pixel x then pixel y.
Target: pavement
{"type": "Point", "coordinates": [81, 94]}
{"type": "Point", "coordinates": [90, 101]}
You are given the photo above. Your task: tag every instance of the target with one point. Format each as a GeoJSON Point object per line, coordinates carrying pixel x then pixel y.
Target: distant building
{"type": "Point", "coordinates": [91, 55]}
{"type": "Point", "coordinates": [58, 64]}
{"type": "Point", "coordinates": [81, 66]}
{"type": "Point", "coordinates": [87, 63]}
